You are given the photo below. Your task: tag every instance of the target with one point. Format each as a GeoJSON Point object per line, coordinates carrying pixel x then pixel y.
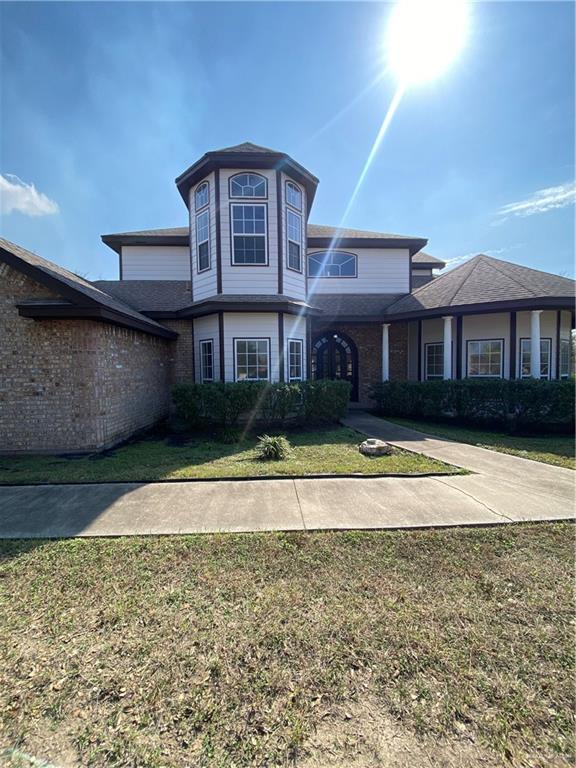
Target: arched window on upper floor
{"type": "Point", "coordinates": [248, 185]}
{"type": "Point", "coordinates": [201, 196]}
{"type": "Point", "coordinates": [293, 195]}
{"type": "Point", "coordinates": [332, 264]}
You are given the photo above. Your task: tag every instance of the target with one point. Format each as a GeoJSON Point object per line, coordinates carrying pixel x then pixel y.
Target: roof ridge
{"type": "Point", "coordinates": [483, 256]}
{"type": "Point", "coordinates": [474, 261]}
{"type": "Point", "coordinates": [493, 259]}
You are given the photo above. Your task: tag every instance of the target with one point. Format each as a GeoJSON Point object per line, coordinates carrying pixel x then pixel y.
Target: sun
{"type": "Point", "coordinates": [424, 37]}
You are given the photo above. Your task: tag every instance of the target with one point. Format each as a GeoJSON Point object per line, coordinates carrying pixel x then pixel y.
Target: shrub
{"type": "Point", "coordinates": [223, 404]}
{"type": "Point", "coordinates": [273, 448]}
{"type": "Point", "coordinates": [510, 404]}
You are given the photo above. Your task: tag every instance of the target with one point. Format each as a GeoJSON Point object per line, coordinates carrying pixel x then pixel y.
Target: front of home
{"type": "Point", "coordinates": [249, 290]}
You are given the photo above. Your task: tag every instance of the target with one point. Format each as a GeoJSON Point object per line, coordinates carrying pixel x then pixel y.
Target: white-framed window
{"type": "Point", "coordinates": [294, 234]}
{"type": "Point", "coordinates": [252, 359]}
{"type": "Point", "coordinates": [434, 360]}
{"type": "Point", "coordinates": [484, 358]}
{"type": "Point", "coordinates": [295, 360]}
{"type": "Point", "coordinates": [202, 196]}
{"type": "Point", "coordinates": [565, 353]}
{"type": "Point", "coordinates": [545, 355]}
{"type": "Point", "coordinates": [203, 241]}
{"type": "Point", "coordinates": [332, 264]}
{"type": "Point", "coordinates": [249, 234]}
{"type": "Point", "coordinates": [207, 360]}
{"type": "Point", "coordinates": [248, 185]}
{"type": "Point", "coordinates": [293, 195]}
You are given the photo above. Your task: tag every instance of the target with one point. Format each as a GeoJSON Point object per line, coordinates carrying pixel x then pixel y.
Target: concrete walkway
{"type": "Point", "coordinates": [506, 489]}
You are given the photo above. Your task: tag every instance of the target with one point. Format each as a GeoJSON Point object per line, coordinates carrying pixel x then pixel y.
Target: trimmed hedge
{"type": "Point", "coordinates": [512, 404]}
{"type": "Point", "coordinates": [225, 404]}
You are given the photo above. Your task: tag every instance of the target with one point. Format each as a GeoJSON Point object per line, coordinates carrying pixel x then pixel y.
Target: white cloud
{"type": "Point", "coordinates": [17, 195]}
{"type": "Point", "coordinates": [541, 201]}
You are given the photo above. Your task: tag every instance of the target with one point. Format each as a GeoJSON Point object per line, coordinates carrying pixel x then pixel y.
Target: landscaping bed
{"type": "Point", "coordinates": [548, 448]}
{"type": "Point", "coordinates": [407, 648]}
{"type": "Point", "coordinates": [333, 450]}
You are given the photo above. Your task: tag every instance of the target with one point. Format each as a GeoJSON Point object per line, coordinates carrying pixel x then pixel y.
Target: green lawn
{"type": "Point", "coordinates": [548, 448]}
{"type": "Point", "coordinates": [332, 451]}
{"type": "Point", "coordinates": [408, 648]}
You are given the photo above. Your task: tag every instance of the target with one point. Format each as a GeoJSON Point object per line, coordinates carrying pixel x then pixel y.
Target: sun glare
{"type": "Point", "coordinates": [424, 37]}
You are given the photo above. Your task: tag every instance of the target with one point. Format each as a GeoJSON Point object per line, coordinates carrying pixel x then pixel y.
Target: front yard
{"type": "Point", "coordinates": [408, 648]}
{"type": "Point", "coordinates": [330, 451]}
{"type": "Point", "coordinates": [547, 448]}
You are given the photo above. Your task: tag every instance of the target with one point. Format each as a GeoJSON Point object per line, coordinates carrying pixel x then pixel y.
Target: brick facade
{"type": "Point", "coordinates": [74, 385]}
{"type": "Point", "coordinates": [368, 340]}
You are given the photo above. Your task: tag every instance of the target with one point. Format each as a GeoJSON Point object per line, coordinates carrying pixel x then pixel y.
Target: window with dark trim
{"type": "Point", "coordinates": [201, 196]}
{"type": "Point", "coordinates": [249, 234]}
{"type": "Point", "coordinates": [294, 235]}
{"type": "Point", "coordinates": [295, 358]}
{"type": "Point", "coordinates": [248, 185]}
{"type": "Point", "coordinates": [565, 355]}
{"type": "Point", "coordinates": [484, 358]}
{"type": "Point", "coordinates": [252, 359]}
{"type": "Point", "coordinates": [207, 360]}
{"type": "Point", "coordinates": [526, 354]}
{"type": "Point", "coordinates": [332, 264]}
{"type": "Point", "coordinates": [434, 360]}
{"type": "Point", "coordinates": [203, 241]}
{"type": "Point", "coordinates": [293, 195]}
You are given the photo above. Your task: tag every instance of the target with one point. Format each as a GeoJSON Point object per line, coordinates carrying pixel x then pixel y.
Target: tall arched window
{"type": "Point", "coordinates": [293, 195]}
{"type": "Point", "coordinates": [248, 185]}
{"type": "Point", "coordinates": [201, 196]}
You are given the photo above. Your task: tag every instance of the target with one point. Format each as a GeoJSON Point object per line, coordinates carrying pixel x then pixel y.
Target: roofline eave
{"type": "Point", "coordinates": [487, 307]}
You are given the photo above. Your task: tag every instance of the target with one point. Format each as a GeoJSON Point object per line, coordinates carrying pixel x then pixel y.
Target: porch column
{"type": "Point", "coordinates": [535, 343]}
{"type": "Point", "coordinates": [385, 352]}
{"type": "Point", "coordinates": [447, 374]}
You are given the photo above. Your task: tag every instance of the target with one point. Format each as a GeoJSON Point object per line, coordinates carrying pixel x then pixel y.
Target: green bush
{"type": "Point", "coordinates": [273, 448]}
{"type": "Point", "coordinates": [510, 404]}
{"type": "Point", "coordinates": [224, 404]}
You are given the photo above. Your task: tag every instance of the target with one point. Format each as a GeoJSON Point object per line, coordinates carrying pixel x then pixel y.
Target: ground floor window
{"type": "Point", "coordinates": [484, 358]}
{"type": "Point", "coordinates": [207, 360]}
{"type": "Point", "coordinates": [252, 359]}
{"type": "Point", "coordinates": [564, 358]}
{"type": "Point", "coordinates": [295, 360]}
{"type": "Point", "coordinates": [545, 354]}
{"type": "Point", "coordinates": [434, 360]}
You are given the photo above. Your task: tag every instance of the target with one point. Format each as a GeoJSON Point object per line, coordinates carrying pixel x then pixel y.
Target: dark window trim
{"type": "Point", "coordinates": [334, 277]}
{"type": "Point", "coordinates": [519, 355]}
{"type": "Point", "coordinates": [301, 343]}
{"type": "Point", "coordinates": [241, 197]}
{"type": "Point", "coordinates": [221, 346]}
{"type": "Point", "coordinates": [266, 236]}
{"type": "Point", "coordinates": [210, 341]}
{"type": "Point", "coordinates": [218, 231]}
{"type": "Point", "coordinates": [209, 241]}
{"type": "Point", "coordinates": [432, 344]}
{"type": "Point", "coordinates": [289, 240]}
{"type": "Point", "coordinates": [279, 235]}
{"type": "Point", "coordinates": [501, 376]}
{"type": "Point", "coordinates": [281, 350]}
{"type": "Point", "coordinates": [253, 338]}
{"type": "Point", "coordinates": [206, 205]}
{"type": "Point", "coordinates": [291, 205]}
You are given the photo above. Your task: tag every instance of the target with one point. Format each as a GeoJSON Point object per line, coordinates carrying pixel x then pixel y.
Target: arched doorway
{"type": "Point", "coordinates": [335, 356]}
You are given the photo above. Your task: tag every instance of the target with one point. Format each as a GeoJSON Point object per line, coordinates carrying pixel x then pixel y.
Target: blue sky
{"type": "Point", "coordinates": [103, 105]}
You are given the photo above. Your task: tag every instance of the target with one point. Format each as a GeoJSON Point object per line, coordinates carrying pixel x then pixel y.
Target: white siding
{"type": "Point", "coordinates": [294, 282]}
{"type": "Point", "coordinates": [249, 279]}
{"type": "Point", "coordinates": [295, 328]}
{"type": "Point", "coordinates": [246, 325]}
{"type": "Point", "coordinates": [206, 328]}
{"type": "Point", "coordinates": [380, 270]}
{"type": "Point", "coordinates": [204, 284]}
{"type": "Point", "coordinates": [155, 262]}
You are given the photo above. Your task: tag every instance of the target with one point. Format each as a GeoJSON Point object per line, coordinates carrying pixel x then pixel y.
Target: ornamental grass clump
{"type": "Point", "coordinates": [273, 448]}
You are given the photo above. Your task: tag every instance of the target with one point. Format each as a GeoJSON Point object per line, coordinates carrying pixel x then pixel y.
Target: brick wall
{"type": "Point", "coordinates": [74, 385]}
{"type": "Point", "coordinates": [182, 350]}
{"type": "Point", "coordinates": [368, 340]}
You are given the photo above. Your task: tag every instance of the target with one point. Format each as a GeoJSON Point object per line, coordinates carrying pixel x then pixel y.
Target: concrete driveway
{"type": "Point", "coordinates": [504, 489]}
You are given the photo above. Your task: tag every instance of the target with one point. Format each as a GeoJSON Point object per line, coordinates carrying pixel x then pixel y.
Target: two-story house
{"type": "Point", "coordinates": [250, 290]}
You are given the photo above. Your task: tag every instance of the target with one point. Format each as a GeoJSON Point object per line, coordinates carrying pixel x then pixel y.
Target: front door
{"type": "Point", "coordinates": [334, 356]}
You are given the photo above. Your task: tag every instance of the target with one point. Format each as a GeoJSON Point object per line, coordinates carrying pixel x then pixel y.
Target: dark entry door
{"type": "Point", "coordinates": [334, 356]}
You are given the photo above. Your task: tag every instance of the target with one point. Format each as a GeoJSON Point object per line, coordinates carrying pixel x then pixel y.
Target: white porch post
{"type": "Point", "coordinates": [535, 343]}
{"type": "Point", "coordinates": [385, 352]}
{"type": "Point", "coordinates": [447, 374]}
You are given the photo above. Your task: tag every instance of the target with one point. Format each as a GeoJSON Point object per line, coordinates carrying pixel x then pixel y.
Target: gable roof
{"type": "Point", "coordinates": [80, 298]}
{"type": "Point", "coordinates": [422, 259]}
{"type": "Point", "coordinates": [247, 146]}
{"type": "Point", "coordinates": [486, 280]}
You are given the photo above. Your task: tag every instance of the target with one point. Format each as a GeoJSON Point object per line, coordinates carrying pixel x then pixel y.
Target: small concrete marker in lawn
{"type": "Point", "coordinates": [374, 447]}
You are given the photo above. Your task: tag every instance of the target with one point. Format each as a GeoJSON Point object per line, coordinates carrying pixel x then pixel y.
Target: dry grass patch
{"type": "Point", "coordinates": [248, 650]}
